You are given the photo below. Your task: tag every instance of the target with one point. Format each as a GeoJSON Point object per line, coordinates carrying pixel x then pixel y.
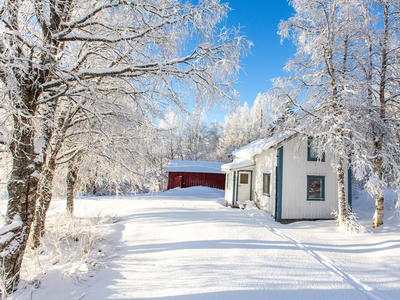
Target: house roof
{"type": "Point", "coordinates": [194, 166]}
{"type": "Point", "coordinates": [244, 156]}
{"type": "Point", "coordinates": [257, 147]}
{"type": "Point", "coordinates": [237, 164]}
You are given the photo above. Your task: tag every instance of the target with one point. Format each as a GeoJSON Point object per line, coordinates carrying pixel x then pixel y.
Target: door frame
{"type": "Point", "coordinates": [235, 199]}
{"type": "Point", "coordinates": [278, 179]}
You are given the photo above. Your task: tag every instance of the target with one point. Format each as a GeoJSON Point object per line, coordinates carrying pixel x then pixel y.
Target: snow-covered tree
{"type": "Point", "coordinates": [338, 72]}
{"type": "Point", "coordinates": [213, 138]}
{"type": "Point", "coordinates": [323, 75]}
{"type": "Point", "coordinates": [103, 130]}
{"type": "Point", "coordinates": [187, 136]}
{"type": "Point", "coordinates": [82, 51]}
{"type": "Point", "coordinates": [171, 135]}
{"type": "Point", "coordinates": [244, 125]}
{"type": "Point", "coordinates": [381, 69]}
{"type": "Point", "coordinates": [195, 133]}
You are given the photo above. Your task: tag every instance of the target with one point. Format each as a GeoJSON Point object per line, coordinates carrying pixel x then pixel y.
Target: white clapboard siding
{"type": "Point", "coordinates": [294, 193]}
{"type": "Point", "coordinates": [296, 168]}
{"type": "Point", "coordinates": [266, 163]}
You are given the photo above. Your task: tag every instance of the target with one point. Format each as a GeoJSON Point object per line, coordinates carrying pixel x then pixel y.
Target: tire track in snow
{"type": "Point", "coordinates": [369, 293]}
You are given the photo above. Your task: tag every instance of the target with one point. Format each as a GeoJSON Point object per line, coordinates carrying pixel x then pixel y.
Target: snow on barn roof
{"type": "Point", "coordinates": [257, 147]}
{"type": "Point", "coordinates": [194, 166]}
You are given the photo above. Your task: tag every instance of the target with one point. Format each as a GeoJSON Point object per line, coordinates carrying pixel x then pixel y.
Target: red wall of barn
{"type": "Point", "coordinates": [194, 179]}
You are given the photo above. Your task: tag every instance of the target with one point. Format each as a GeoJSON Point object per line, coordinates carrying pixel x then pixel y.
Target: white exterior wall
{"type": "Point", "coordinates": [265, 163]}
{"type": "Point", "coordinates": [294, 182]}
{"type": "Point", "coordinates": [234, 183]}
{"type": "Point", "coordinates": [294, 192]}
{"type": "Point", "coordinates": [229, 192]}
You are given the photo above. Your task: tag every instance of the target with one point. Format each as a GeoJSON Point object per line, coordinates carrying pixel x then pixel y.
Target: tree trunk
{"type": "Point", "coordinates": [46, 182]}
{"type": "Point", "coordinates": [72, 175]}
{"type": "Point", "coordinates": [337, 112]}
{"type": "Point", "coordinates": [44, 194]}
{"type": "Point", "coordinates": [54, 140]}
{"type": "Point", "coordinates": [379, 135]}
{"type": "Point", "coordinates": [21, 188]}
{"type": "Point", "coordinates": [341, 194]}
{"type": "Point", "coordinates": [379, 198]}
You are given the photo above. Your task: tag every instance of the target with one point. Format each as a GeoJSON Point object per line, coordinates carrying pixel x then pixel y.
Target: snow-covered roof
{"type": "Point", "coordinates": [237, 164]}
{"type": "Point", "coordinates": [194, 166]}
{"type": "Point", "coordinates": [257, 147]}
{"type": "Point", "coordinates": [244, 156]}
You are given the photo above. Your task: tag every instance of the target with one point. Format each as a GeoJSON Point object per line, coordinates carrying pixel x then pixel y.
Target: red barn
{"type": "Point", "coordinates": [182, 173]}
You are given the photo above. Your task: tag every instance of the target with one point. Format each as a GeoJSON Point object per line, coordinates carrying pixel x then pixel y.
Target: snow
{"type": "Point", "coordinates": [17, 222]}
{"type": "Point", "coordinates": [194, 166]}
{"type": "Point", "coordinates": [257, 147]}
{"type": "Point", "coordinates": [4, 133]}
{"type": "Point", "coordinates": [38, 144]}
{"type": "Point", "coordinates": [185, 244]}
{"type": "Point", "coordinates": [35, 174]}
{"type": "Point", "coordinates": [237, 164]}
{"type": "Point", "coordinates": [5, 237]}
{"type": "Point", "coordinates": [243, 157]}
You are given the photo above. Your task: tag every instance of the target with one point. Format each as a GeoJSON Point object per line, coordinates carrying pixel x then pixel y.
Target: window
{"type": "Point", "coordinates": [312, 151]}
{"type": "Point", "coordinates": [266, 184]}
{"type": "Point", "coordinates": [316, 188]}
{"type": "Point", "coordinates": [244, 178]}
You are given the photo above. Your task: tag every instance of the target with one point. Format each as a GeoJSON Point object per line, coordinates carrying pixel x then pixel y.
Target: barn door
{"type": "Point", "coordinates": [178, 181]}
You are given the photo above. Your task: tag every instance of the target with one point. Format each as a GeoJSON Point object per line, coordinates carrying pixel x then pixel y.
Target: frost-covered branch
{"type": "Point", "coordinates": [64, 63]}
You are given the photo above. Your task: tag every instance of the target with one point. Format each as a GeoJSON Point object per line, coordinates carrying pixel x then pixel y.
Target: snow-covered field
{"type": "Point", "coordinates": [185, 244]}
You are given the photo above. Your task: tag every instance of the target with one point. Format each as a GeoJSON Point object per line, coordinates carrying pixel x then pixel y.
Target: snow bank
{"type": "Point", "coordinates": [194, 166]}
{"type": "Point", "coordinates": [184, 244]}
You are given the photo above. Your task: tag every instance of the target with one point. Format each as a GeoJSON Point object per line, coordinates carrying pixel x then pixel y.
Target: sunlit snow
{"type": "Point", "coordinates": [185, 244]}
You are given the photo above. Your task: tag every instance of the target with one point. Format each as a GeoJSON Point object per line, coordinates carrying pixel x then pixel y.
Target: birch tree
{"type": "Point", "coordinates": [344, 87]}
{"type": "Point", "coordinates": [381, 67]}
{"type": "Point", "coordinates": [78, 50]}
{"type": "Point", "coordinates": [325, 72]}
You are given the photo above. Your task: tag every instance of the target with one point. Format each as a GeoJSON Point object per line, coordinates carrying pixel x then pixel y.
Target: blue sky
{"type": "Point", "coordinates": [260, 19]}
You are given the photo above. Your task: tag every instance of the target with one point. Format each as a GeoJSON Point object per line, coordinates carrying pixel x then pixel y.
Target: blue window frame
{"type": "Point", "coordinates": [315, 188]}
{"type": "Point", "coordinates": [267, 184]}
{"type": "Point", "coordinates": [312, 151]}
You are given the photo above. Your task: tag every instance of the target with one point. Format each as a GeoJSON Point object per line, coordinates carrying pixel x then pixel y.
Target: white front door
{"type": "Point", "coordinates": [244, 188]}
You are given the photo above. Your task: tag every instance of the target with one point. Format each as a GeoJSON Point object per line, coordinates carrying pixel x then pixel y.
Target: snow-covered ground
{"type": "Point", "coordinates": [185, 244]}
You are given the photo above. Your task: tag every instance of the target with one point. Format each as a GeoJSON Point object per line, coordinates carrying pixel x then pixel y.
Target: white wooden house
{"type": "Point", "coordinates": [284, 176]}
